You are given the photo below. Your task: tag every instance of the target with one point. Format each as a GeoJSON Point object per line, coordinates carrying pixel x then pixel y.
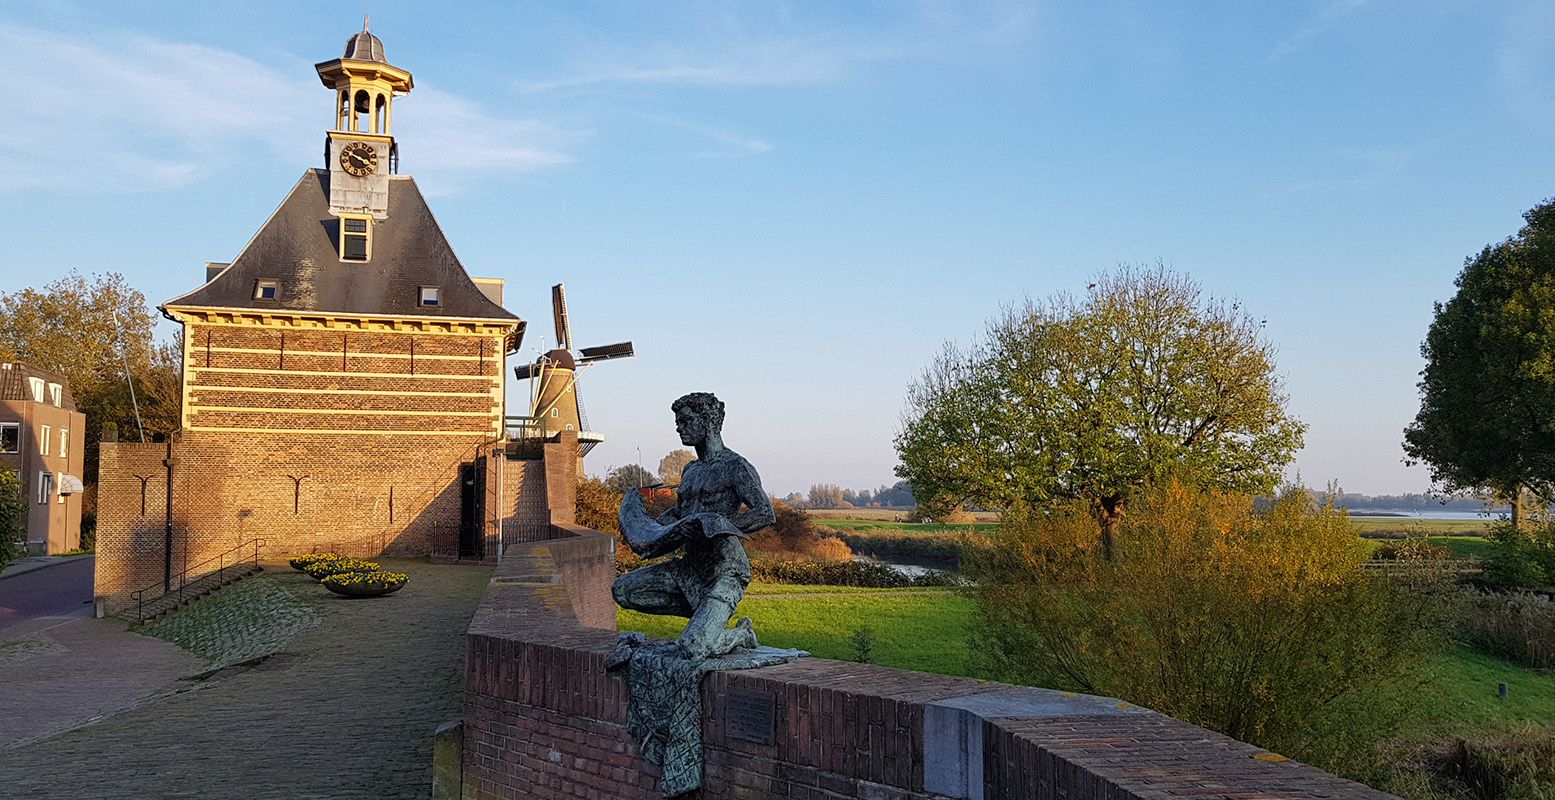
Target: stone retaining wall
{"type": "Point", "coordinates": [543, 719]}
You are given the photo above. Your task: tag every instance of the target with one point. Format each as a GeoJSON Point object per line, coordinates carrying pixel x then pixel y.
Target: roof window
{"type": "Point", "coordinates": [56, 394]}
{"type": "Point", "coordinates": [266, 290]}
{"type": "Point", "coordinates": [36, 385]}
{"type": "Point", "coordinates": [356, 238]}
{"type": "Point", "coordinates": [431, 296]}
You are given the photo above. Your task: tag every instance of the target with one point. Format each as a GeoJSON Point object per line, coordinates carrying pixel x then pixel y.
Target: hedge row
{"type": "Point", "coordinates": [846, 573]}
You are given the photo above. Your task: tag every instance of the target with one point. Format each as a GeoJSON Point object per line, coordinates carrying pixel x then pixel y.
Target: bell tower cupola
{"type": "Point", "coordinates": [360, 151]}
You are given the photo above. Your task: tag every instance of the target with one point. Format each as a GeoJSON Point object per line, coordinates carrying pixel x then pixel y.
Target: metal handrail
{"type": "Point", "coordinates": [183, 576]}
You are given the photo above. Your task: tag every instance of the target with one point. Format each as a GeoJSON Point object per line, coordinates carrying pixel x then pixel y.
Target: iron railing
{"type": "Point", "coordinates": [225, 560]}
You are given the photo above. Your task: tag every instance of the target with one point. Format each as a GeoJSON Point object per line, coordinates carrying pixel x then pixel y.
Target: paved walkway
{"type": "Point", "coordinates": [345, 711]}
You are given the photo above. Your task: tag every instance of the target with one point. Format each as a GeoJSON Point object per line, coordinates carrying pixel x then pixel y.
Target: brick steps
{"type": "Point", "coordinates": [192, 592]}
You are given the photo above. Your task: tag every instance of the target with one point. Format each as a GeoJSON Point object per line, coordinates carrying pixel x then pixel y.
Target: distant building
{"type": "Point", "coordinates": [343, 382]}
{"type": "Point", "coordinates": [41, 441]}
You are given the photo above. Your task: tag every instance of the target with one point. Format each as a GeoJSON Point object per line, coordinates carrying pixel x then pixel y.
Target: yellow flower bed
{"type": "Point", "coordinates": [302, 562]}
{"type": "Point", "coordinates": [365, 584]}
{"type": "Point", "coordinates": [323, 569]}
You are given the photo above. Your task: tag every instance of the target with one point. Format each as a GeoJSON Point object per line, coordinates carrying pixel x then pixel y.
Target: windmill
{"type": "Point", "coordinates": [553, 395]}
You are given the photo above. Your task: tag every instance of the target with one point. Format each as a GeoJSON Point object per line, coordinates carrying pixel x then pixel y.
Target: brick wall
{"type": "Point", "coordinates": [543, 719]}
{"type": "Point", "coordinates": [360, 495]}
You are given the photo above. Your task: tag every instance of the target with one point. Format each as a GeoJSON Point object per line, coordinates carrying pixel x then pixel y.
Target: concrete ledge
{"type": "Point", "coordinates": [544, 719]}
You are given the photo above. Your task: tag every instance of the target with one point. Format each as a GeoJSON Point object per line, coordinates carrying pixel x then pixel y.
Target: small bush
{"type": "Point", "coordinates": [1410, 549]}
{"type": "Point", "coordinates": [1521, 559]}
{"type": "Point", "coordinates": [1519, 628]}
{"type": "Point", "coordinates": [1517, 763]}
{"type": "Point", "coordinates": [863, 641]}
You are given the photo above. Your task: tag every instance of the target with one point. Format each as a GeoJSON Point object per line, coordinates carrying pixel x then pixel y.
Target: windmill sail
{"type": "Point", "coordinates": [559, 313]}
{"type": "Point", "coordinates": [606, 352]}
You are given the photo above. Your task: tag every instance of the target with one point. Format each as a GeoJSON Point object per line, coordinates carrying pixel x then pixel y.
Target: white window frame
{"type": "Point", "coordinates": [261, 285]}
{"type": "Point", "coordinates": [45, 439]}
{"type": "Point", "coordinates": [36, 384]}
{"type": "Point", "coordinates": [64, 442]}
{"type": "Point", "coordinates": [366, 235]}
{"type": "Point", "coordinates": [434, 293]}
{"type": "Point", "coordinates": [45, 487]}
{"type": "Point", "coordinates": [56, 394]}
{"type": "Point", "coordinates": [17, 426]}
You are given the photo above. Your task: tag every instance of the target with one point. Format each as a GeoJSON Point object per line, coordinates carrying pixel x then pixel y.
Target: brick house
{"type": "Point", "coordinates": [343, 381]}
{"type": "Point", "coordinates": [41, 441]}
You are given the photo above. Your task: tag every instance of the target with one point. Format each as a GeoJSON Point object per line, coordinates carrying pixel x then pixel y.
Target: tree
{"type": "Point", "coordinates": [825, 495]}
{"type": "Point", "coordinates": [629, 477]}
{"type": "Point", "coordinates": [1487, 393]}
{"type": "Point", "coordinates": [13, 517]}
{"type": "Point", "coordinates": [673, 464]}
{"type": "Point", "coordinates": [86, 328]}
{"type": "Point", "coordinates": [1092, 399]}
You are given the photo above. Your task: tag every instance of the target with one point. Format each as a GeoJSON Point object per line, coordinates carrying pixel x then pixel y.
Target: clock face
{"type": "Point", "coordinates": [359, 159]}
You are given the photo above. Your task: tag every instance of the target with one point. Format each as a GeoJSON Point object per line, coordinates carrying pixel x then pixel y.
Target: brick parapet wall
{"type": "Point", "coordinates": [544, 719]}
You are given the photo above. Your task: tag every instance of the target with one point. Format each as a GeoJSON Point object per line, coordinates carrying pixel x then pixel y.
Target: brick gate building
{"type": "Point", "coordinates": [343, 379]}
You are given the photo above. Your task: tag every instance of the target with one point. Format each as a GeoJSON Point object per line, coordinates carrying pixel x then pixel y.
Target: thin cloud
{"type": "Point", "coordinates": [125, 113]}
{"type": "Point", "coordinates": [1315, 26]}
{"type": "Point", "coordinates": [726, 53]}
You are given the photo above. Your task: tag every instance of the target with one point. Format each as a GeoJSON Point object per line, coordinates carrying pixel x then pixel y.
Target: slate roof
{"type": "Point", "coordinates": [298, 249]}
{"type": "Point", "coordinates": [13, 384]}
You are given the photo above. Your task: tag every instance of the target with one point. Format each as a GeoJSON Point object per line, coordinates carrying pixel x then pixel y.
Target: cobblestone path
{"type": "Point", "coordinates": [345, 710]}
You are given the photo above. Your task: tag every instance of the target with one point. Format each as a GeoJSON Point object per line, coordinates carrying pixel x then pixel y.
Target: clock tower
{"type": "Point", "coordinates": [360, 151]}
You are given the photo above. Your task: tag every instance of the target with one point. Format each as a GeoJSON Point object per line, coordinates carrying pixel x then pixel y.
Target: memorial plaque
{"type": "Point", "coordinates": [750, 716]}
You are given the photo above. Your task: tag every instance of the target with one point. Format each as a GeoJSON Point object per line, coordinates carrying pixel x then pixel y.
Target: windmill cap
{"type": "Point", "coordinates": [559, 359]}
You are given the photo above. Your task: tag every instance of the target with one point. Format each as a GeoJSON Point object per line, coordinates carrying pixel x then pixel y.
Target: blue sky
{"type": "Point", "coordinates": [793, 205]}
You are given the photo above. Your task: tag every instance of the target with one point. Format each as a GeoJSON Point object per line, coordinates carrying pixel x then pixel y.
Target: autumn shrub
{"type": "Point", "coordinates": [794, 536]}
{"type": "Point", "coordinates": [1252, 625]}
{"type": "Point", "coordinates": [1517, 627]}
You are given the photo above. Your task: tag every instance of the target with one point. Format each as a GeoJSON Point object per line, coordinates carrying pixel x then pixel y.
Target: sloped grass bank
{"type": "Point", "coordinates": [254, 617]}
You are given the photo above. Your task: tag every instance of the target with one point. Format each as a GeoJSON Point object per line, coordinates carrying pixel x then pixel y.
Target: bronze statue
{"type": "Point", "coordinates": [721, 502]}
{"type": "Point", "coordinates": [706, 581]}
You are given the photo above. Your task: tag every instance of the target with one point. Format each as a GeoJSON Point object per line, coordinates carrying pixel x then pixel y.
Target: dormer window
{"type": "Point", "coordinates": [36, 385]}
{"type": "Point", "coordinates": [355, 238]}
{"type": "Point", "coordinates": [56, 394]}
{"type": "Point", "coordinates": [266, 290]}
{"type": "Point", "coordinates": [431, 296]}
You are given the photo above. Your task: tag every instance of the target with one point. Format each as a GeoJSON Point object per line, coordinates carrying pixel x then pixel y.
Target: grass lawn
{"type": "Point", "coordinates": [922, 629]}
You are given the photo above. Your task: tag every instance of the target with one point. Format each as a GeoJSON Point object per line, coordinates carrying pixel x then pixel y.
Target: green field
{"type": "Point", "coordinates": [1461, 546]}
{"type": "Point", "coordinates": [1415, 527]}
